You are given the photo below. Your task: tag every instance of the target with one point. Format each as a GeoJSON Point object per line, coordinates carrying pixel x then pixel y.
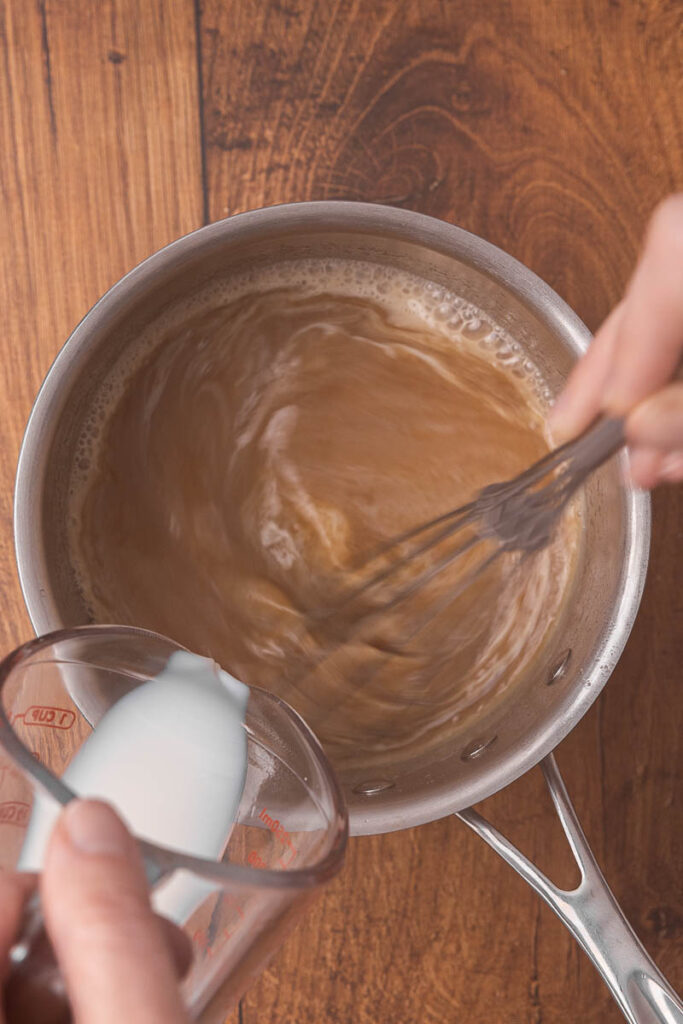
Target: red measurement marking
{"type": "Point", "coordinates": [8, 769]}
{"type": "Point", "coordinates": [283, 835]}
{"type": "Point", "coordinates": [200, 939]}
{"type": "Point", "coordinates": [256, 860]}
{"type": "Point", "coordinates": [232, 901]}
{"type": "Point", "coordinates": [49, 718]}
{"type": "Point", "coordinates": [14, 812]}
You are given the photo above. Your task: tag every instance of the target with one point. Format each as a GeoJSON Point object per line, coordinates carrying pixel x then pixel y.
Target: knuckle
{"type": "Point", "coordinates": [659, 419]}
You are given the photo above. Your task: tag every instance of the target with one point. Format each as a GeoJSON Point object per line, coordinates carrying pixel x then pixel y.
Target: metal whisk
{"type": "Point", "coordinates": [517, 516]}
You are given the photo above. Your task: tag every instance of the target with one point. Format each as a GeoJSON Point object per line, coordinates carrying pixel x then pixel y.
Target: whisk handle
{"type": "Point", "coordinates": [596, 445]}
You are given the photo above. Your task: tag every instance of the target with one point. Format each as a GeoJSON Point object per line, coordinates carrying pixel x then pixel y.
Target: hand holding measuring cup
{"type": "Point", "coordinates": [119, 960]}
{"type": "Point", "coordinates": [239, 820]}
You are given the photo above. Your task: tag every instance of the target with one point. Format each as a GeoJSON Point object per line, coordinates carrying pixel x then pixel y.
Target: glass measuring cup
{"type": "Point", "coordinates": [290, 827]}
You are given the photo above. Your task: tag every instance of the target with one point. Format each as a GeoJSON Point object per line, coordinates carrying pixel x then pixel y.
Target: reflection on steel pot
{"type": "Point", "coordinates": [524, 727]}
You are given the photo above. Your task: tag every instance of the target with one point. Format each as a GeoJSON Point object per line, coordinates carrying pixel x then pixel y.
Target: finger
{"type": "Point", "coordinates": [651, 330]}
{"type": "Point", "coordinates": [109, 944]}
{"type": "Point", "coordinates": [178, 943]}
{"type": "Point", "coordinates": [581, 399]}
{"type": "Point", "coordinates": [672, 468]}
{"type": "Point", "coordinates": [658, 421]}
{"type": "Point", "coordinates": [645, 466]}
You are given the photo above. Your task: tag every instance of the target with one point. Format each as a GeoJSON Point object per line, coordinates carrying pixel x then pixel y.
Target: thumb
{"type": "Point", "coordinates": [110, 946]}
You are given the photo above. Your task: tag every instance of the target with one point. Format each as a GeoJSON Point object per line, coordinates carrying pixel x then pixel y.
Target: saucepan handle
{"type": "Point", "coordinates": [592, 915]}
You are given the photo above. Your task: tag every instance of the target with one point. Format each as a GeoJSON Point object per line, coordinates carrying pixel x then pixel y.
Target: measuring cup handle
{"type": "Point", "coordinates": [592, 914]}
{"type": "Point", "coordinates": [34, 989]}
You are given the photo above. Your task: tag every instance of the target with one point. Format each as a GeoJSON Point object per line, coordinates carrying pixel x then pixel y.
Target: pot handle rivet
{"type": "Point", "coordinates": [560, 668]}
{"type": "Point", "coordinates": [476, 748]}
{"type": "Point", "coordinates": [373, 787]}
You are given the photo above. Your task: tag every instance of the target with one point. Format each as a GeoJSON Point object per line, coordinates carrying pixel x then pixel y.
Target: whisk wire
{"type": "Point", "coordinates": [454, 518]}
{"type": "Point", "coordinates": [519, 515]}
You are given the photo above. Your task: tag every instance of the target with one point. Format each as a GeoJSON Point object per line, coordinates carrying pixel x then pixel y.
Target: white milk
{"type": "Point", "coordinates": [171, 757]}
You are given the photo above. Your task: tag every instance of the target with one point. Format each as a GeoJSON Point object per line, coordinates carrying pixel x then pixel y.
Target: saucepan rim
{"type": "Point", "coordinates": [368, 219]}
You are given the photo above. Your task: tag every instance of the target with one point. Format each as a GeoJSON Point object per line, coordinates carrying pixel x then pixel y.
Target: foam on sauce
{"type": "Point", "coordinates": [261, 439]}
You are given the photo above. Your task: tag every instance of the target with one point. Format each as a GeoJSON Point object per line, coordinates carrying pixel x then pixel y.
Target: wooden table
{"type": "Point", "coordinates": [550, 128]}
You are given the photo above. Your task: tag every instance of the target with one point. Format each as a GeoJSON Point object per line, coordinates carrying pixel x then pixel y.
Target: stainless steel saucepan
{"type": "Point", "coordinates": [524, 728]}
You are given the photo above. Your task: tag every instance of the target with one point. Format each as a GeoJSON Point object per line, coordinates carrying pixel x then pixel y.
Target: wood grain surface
{"type": "Point", "coordinates": [550, 128]}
